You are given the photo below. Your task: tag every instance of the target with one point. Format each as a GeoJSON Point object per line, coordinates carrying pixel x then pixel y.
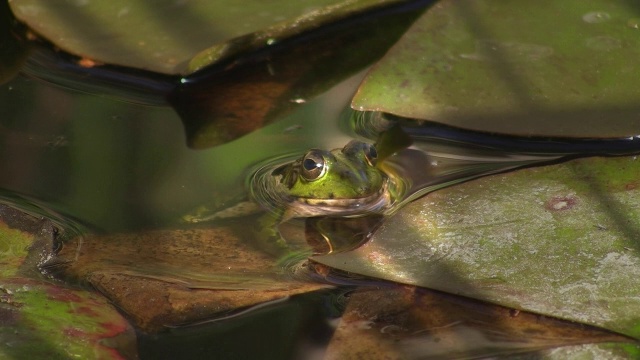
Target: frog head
{"type": "Point", "coordinates": [333, 181]}
{"type": "Point", "coordinates": [338, 183]}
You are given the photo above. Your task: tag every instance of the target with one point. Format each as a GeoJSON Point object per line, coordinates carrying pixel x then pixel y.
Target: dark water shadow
{"type": "Point", "coordinates": [287, 330]}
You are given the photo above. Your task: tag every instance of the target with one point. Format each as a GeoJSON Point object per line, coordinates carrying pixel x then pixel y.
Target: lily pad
{"type": "Point", "coordinates": [39, 319]}
{"type": "Point", "coordinates": [220, 107]}
{"type": "Point", "coordinates": [544, 68]}
{"type": "Point", "coordinates": [173, 277]}
{"type": "Point", "coordinates": [395, 322]}
{"type": "Point", "coordinates": [615, 351]}
{"type": "Point", "coordinates": [559, 240]}
{"type": "Point", "coordinates": [168, 36]}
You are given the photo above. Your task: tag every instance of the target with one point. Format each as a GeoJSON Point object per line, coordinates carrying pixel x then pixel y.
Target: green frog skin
{"type": "Point", "coordinates": [340, 182]}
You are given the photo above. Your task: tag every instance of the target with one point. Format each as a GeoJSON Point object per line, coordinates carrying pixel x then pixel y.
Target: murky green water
{"type": "Point", "coordinates": [115, 166]}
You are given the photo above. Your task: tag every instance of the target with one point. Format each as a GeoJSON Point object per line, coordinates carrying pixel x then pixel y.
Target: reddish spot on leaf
{"type": "Point", "coordinates": [113, 353]}
{"type": "Point", "coordinates": [631, 186]}
{"type": "Point", "coordinates": [561, 203]}
{"type": "Point", "coordinates": [86, 311]}
{"type": "Point", "coordinates": [62, 294]}
{"type": "Point", "coordinates": [113, 329]}
{"type": "Point", "coordinates": [89, 63]}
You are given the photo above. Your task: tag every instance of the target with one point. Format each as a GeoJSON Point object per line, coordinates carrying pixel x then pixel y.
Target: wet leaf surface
{"type": "Point", "coordinates": [538, 68]}
{"type": "Point", "coordinates": [615, 351]}
{"type": "Point", "coordinates": [39, 319]}
{"type": "Point", "coordinates": [171, 37]}
{"type": "Point", "coordinates": [559, 240]}
{"type": "Point", "coordinates": [395, 322]}
{"type": "Point", "coordinates": [174, 277]}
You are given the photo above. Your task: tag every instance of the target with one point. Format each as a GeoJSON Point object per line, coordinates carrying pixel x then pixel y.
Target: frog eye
{"type": "Point", "coordinates": [313, 165]}
{"type": "Point", "coordinates": [371, 154]}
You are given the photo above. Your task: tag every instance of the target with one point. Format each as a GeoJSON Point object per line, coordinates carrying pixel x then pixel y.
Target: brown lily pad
{"type": "Point", "coordinates": [175, 277]}
{"type": "Point", "coordinates": [396, 322]}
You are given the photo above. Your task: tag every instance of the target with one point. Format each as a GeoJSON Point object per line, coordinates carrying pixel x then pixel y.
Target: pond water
{"type": "Point", "coordinates": [114, 165]}
{"type": "Point", "coordinates": [96, 164]}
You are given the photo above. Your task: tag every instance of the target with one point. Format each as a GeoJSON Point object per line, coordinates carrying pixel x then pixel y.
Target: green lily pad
{"type": "Point", "coordinates": [547, 68]}
{"type": "Point", "coordinates": [39, 319]}
{"type": "Point", "coordinates": [224, 106]}
{"type": "Point", "coordinates": [176, 37]}
{"type": "Point", "coordinates": [13, 249]}
{"type": "Point", "coordinates": [558, 240]}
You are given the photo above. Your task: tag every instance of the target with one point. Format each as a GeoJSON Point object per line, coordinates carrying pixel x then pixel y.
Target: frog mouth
{"type": "Point", "coordinates": [270, 194]}
{"type": "Point", "coordinates": [374, 203]}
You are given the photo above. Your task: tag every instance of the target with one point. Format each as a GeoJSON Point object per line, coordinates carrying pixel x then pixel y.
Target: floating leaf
{"type": "Point", "coordinates": [559, 240]}
{"type": "Point", "coordinates": [44, 320]}
{"type": "Point", "coordinates": [174, 277]}
{"type": "Point", "coordinates": [41, 320]}
{"type": "Point", "coordinates": [224, 106]}
{"type": "Point", "coordinates": [548, 68]}
{"type": "Point", "coordinates": [615, 351]}
{"type": "Point", "coordinates": [164, 36]}
{"type": "Point", "coordinates": [13, 249]}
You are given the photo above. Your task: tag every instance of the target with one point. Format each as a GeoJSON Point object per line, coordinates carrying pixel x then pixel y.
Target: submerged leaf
{"type": "Point", "coordinates": [548, 68]}
{"type": "Point", "coordinates": [560, 240]}
{"type": "Point", "coordinates": [393, 322]}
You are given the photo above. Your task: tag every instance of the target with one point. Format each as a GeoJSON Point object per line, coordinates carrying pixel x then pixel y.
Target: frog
{"type": "Point", "coordinates": [343, 182]}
